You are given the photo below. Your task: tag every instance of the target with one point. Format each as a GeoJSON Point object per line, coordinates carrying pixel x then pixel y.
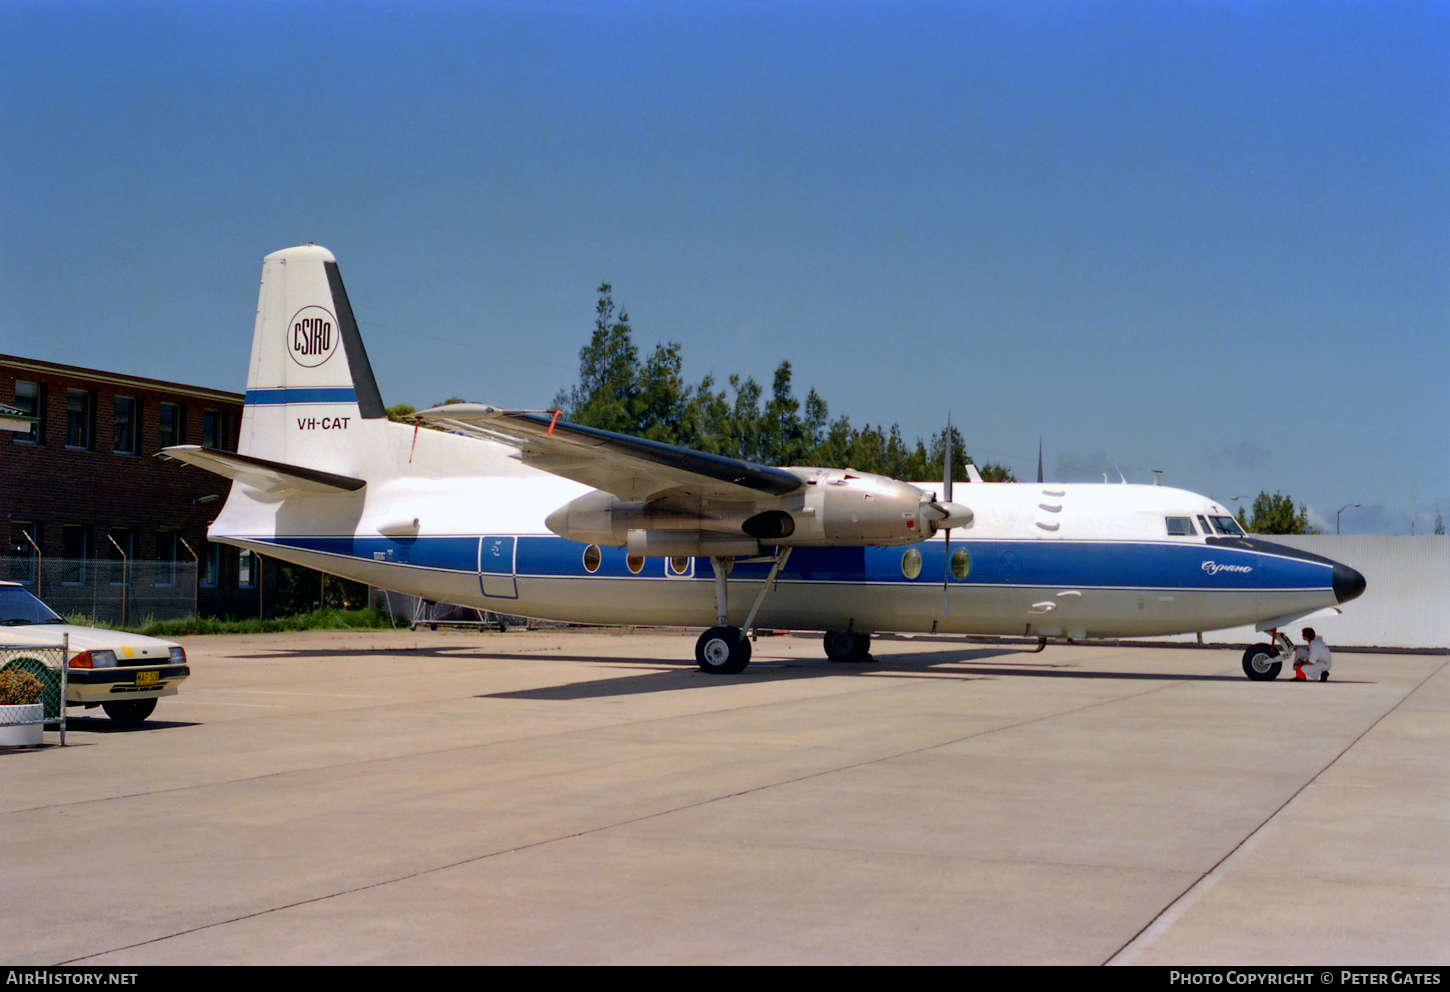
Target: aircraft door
{"type": "Point", "coordinates": [496, 567]}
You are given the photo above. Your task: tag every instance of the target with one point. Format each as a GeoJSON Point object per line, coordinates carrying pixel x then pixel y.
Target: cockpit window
{"type": "Point", "coordinates": [1180, 526]}
{"type": "Point", "coordinates": [1227, 526]}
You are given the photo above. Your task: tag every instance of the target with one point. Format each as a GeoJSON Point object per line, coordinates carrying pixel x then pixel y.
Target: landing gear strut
{"type": "Point", "coordinates": [723, 649]}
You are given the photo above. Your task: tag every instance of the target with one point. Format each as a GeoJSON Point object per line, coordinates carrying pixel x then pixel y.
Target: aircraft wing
{"type": "Point", "coordinates": [632, 468]}
{"type": "Point", "coordinates": [260, 474]}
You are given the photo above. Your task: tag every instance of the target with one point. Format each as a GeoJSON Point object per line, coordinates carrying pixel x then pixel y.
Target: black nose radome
{"type": "Point", "coordinates": [1348, 584]}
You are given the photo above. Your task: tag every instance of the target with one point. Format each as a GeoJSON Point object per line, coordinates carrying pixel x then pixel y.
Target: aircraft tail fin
{"type": "Point", "coordinates": [310, 386]}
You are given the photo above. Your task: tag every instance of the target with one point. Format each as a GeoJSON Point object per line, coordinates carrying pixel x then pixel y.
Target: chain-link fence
{"type": "Point", "coordinates": [414, 611]}
{"type": "Point", "coordinates": [110, 592]}
{"type": "Point", "coordinates": [44, 664]}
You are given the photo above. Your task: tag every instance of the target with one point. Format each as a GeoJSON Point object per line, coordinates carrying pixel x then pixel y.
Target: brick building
{"type": "Point", "coordinates": [82, 485]}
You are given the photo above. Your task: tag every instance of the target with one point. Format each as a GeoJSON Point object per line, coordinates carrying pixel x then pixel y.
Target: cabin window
{"type": "Point", "coordinates": [911, 563]}
{"type": "Point", "coordinates": [592, 557]}
{"type": "Point", "coordinates": [635, 563]}
{"type": "Point", "coordinates": [679, 565]}
{"type": "Point", "coordinates": [1181, 527]}
{"type": "Point", "coordinates": [961, 563]}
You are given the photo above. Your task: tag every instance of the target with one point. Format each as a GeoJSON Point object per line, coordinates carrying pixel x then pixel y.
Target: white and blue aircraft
{"type": "Point", "coordinates": [522, 513]}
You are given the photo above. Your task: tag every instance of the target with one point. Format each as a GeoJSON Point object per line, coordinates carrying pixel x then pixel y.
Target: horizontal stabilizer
{"type": "Point", "coordinates": [263, 475]}
{"type": "Point", "coordinates": [631, 468]}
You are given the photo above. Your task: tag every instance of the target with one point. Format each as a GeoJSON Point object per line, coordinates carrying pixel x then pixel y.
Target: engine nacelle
{"type": "Point", "coordinates": [836, 507]}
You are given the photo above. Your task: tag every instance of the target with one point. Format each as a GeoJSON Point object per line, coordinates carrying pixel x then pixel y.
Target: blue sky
{"type": "Point", "coordinates": [1208, 238]}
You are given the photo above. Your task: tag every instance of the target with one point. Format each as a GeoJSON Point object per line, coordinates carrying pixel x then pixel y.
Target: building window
{"type": "Point", "coordinates": [24, 539]}
{"type": "Point", "coordinates": [246, 569]}
{"type": "Point", "coordinates": [78, 413]}
{"type": "Point", "coordinates": [166, 548]}
{"type": "Point", "coordinates": [30, 399]}
{"type": "Point", "coordinates": [211, 574]}
{"type": "Point", "coordinates": [75, 548]}
{"type": "Point", "coordinates": [120, 548]}
{"type": "Point", "coordinates": [214, 430]}
{"type": "Point", "coordinates": [127, 416]}
{"type": "Point", "coordinates": [170, 429]}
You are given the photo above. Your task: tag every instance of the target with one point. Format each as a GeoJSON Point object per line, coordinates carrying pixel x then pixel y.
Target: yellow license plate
{"type": "Point", "coordinates": [148, 678]}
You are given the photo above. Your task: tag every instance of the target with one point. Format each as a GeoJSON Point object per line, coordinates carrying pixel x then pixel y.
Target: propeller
{"type": "Point", "coordinates": [953, 515]}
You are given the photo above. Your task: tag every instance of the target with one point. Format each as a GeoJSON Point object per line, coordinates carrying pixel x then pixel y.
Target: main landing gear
{"type": "Point", "coordinates": [847, 645]}
{"type": "Point", "coordinates": [723, 649]}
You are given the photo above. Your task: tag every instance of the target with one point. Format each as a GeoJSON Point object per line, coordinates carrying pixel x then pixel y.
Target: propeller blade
{"type": "Point", "coordinates": [946, 485]}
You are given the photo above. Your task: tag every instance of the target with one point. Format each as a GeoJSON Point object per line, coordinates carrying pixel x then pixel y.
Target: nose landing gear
{"type": "Point", "coordinates": [1264, 662]}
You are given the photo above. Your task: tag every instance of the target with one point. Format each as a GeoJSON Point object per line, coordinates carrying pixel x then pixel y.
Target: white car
{"type": "Point", "coordinates": [124, 674]}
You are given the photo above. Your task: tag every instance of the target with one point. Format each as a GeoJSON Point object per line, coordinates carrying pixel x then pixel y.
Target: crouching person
{"type": "Point", "coordinates": [1312, 660]}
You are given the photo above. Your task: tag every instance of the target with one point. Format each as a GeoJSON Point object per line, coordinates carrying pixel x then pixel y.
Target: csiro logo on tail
{"type": "Point", "coordinates": [312, 336]}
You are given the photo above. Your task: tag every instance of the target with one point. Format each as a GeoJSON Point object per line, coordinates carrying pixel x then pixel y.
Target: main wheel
{"type": "Point", "coordinates": [847, 645]}
{"type": "Point", "coordinates": [1261, 664]}
{"type": "Point", "coordinates": [129, 712]}
{"type": "Point", "coordinates": [722, 651]}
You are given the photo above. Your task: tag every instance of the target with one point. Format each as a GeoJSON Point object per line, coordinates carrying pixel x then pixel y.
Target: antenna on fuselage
{"type": "Point", "coordinates": [1039, 458]}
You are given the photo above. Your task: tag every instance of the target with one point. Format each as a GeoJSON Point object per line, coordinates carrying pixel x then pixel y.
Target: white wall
{"type": "Point", "coordinates": [1406, 602]}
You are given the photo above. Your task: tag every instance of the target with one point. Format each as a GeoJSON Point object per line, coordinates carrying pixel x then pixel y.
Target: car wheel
{"type": "Point", "coordinates": [129, 712]}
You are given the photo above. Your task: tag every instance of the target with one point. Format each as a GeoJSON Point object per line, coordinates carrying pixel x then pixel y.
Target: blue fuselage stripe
{"type": "Point", "coordinates": [1065, 564]}
{"type": "Point", "coordinates": [330, 394]}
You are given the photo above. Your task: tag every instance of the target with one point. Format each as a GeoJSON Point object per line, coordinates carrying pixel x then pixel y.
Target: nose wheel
{"type": "Point", "coordinates": [722, 651]}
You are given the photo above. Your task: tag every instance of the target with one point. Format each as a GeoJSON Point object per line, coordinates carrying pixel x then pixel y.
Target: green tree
{"type": "Point", "coordinates": [1276, 515]}
{"type": "Point", "coordinates": [617, 392]}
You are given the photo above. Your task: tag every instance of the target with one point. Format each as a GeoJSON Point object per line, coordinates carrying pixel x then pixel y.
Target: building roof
{"type": "Point", "coordinates": [117, 379]}
{"type": "Point", "coordinates": [12, 418]}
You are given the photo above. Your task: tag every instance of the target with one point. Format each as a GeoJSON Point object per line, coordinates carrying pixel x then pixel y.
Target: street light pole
{"type": "Point", "coordinates": [1336, 516]}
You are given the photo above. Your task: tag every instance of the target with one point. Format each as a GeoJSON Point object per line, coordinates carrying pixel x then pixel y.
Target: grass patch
{"type": "Point", "coordinates": [324, 619]}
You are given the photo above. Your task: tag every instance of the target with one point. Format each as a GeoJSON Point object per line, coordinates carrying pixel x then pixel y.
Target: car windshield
{"type": "Point", "coordinates": [18, 606]}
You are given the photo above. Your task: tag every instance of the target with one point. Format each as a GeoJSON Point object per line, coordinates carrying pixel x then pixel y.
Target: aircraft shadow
{"type": "Point", "coordinates": [963, 667]}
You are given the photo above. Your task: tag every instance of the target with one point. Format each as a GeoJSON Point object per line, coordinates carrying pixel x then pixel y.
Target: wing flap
{"type": "Point", "coordinates": [631, 468]}
{"type": "Point", "coordinates": [261, 474]}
